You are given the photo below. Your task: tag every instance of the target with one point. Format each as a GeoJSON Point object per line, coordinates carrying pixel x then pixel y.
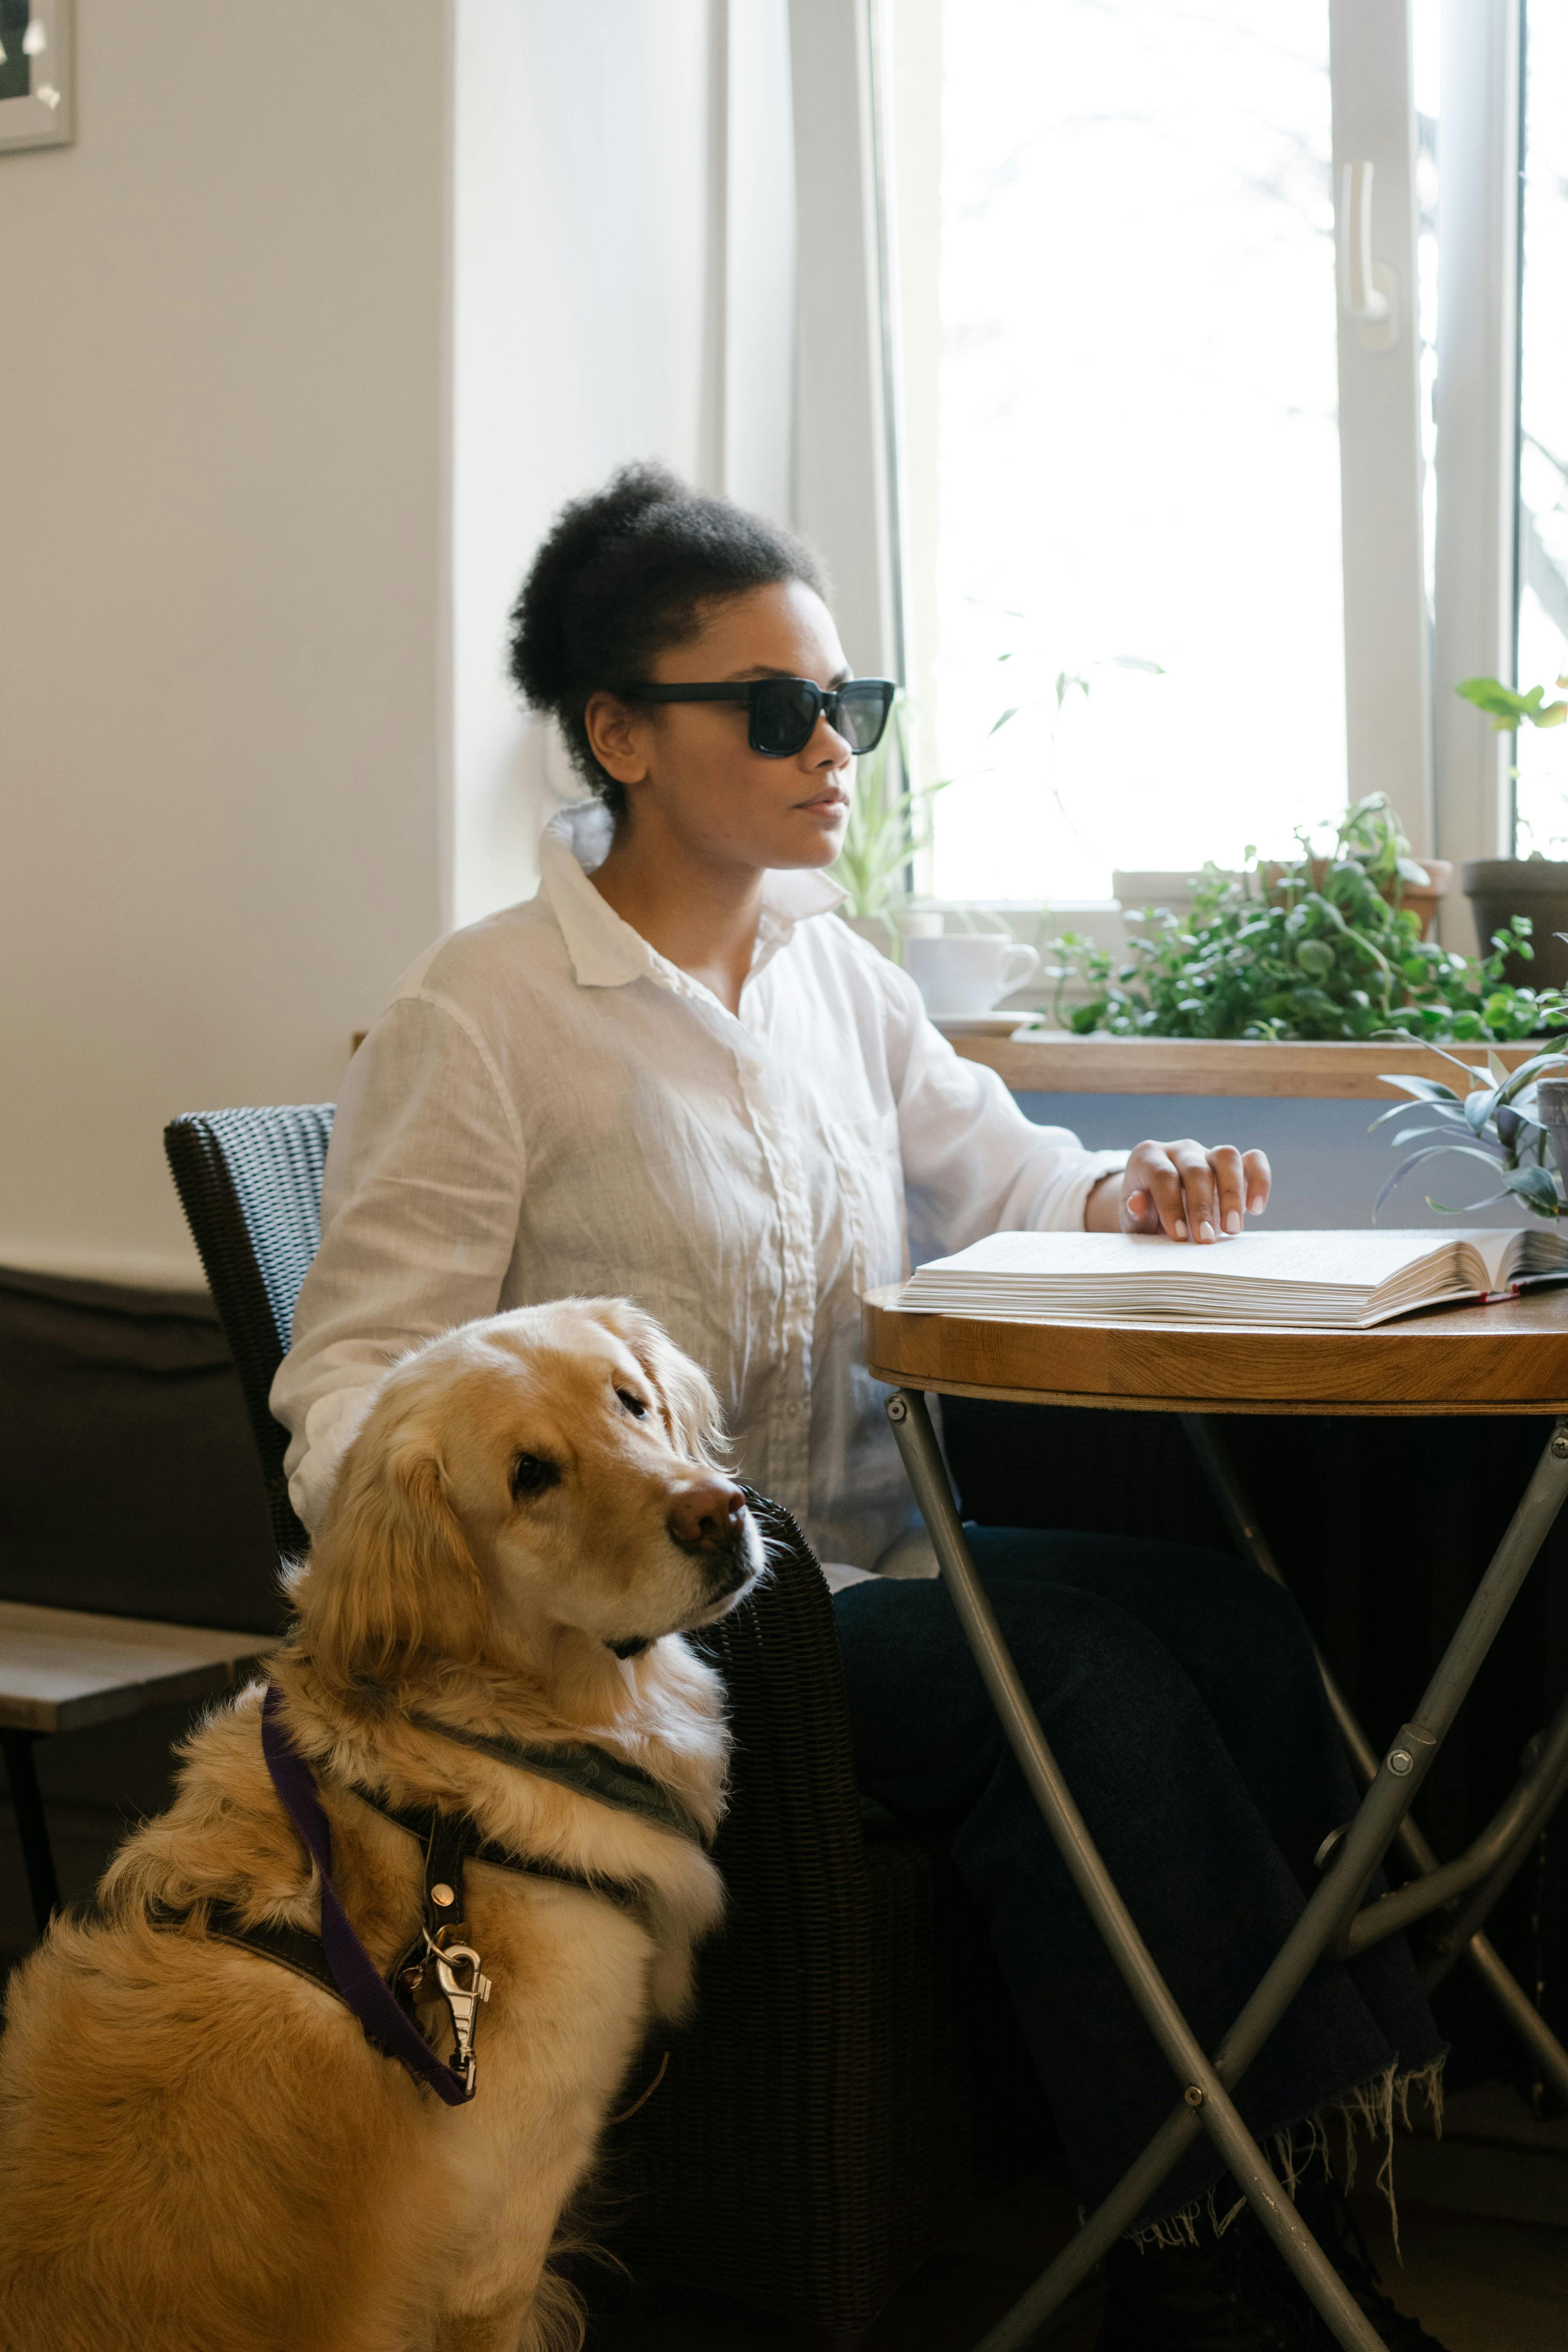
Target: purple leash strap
{"type": "Point", "coordinates": [355, 1973]}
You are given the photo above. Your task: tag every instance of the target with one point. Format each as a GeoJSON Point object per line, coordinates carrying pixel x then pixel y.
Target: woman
{"type": "Point", "coordinates": [672, 1074]}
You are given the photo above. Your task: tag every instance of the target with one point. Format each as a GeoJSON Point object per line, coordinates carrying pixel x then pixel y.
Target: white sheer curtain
{"type": "Point", "coordinates": [796, 400]}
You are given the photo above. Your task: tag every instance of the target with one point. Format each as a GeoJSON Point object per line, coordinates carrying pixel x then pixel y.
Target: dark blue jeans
{"type": "Point", "coordinates": [1179, 1694]}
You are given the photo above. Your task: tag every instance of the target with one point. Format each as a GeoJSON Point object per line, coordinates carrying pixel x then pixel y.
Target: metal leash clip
{"type": "Point", "coordinates": [461, 2000]}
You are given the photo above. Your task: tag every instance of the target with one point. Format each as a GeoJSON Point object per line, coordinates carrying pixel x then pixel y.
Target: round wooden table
{"type": "Point", "coordinates": [1508, 1358]}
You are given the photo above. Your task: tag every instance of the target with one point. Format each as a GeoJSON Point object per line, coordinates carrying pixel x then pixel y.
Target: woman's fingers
{"type": "Point", "coordinates": [1190, 1192]}
{"type": "Point", "coordinates": [1230, 1194]}
{"type": "Point", "coordinates": [1153, 1201]}
{"type": "Point", "coordinates": [1258, 1180]}
{"type": "Point", "coordinates": [1199, 1190]}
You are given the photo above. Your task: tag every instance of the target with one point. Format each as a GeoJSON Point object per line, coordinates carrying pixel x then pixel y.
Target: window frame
{"type": "Point", "coordinates": [1387, 650]}
{"type": "Point", "coordinates": [1477, 438]}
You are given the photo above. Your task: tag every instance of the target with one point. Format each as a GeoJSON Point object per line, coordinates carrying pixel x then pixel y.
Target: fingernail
{"type": "Point", "coordinates": [1205, 1231]}
{"type": "Point", "coordinates": [1233, 1221]}
{"type": "Point", "coordinates": [1180, 1230]}
{"type": "Point", "coordinates": [1255, 1207]}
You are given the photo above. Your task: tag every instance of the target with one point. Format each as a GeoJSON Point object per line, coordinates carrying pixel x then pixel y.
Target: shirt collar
{"type": "Point", "coordinates": [606, 953]}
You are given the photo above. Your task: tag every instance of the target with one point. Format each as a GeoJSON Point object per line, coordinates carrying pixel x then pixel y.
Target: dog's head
{"type": "Point", "coordinates": [554, 1467]}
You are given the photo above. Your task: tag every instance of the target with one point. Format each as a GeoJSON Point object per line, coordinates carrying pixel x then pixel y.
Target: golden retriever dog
{"type": "Point", "coordinates": [200, 2150]}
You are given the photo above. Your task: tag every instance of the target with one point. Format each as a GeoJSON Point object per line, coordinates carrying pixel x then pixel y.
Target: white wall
{"type": "Point", "coordinates": [223, 723]}
{"type": "Point", "coordinates": [581, 271]}
{"type": "Point", "coordinates": [305, 339]}
{"type": "Point", "coordinates": [624, 288]}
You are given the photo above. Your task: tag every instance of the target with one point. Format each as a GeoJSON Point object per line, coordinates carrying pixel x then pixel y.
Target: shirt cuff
{"type": "Point", "coordinates": [332, 1425]}
{"type": "Point", "coordinates": [1096, 1164]}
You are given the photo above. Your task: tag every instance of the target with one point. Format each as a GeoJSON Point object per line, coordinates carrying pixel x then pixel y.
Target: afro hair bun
{"type": "Point", "coordinates": [622, 575]}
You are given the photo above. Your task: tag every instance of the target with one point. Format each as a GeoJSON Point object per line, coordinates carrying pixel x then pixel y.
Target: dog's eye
{"type": "Point", "coordinates": [530, 1476]}
{"type": "Point", "coordinates": [634, 1405]}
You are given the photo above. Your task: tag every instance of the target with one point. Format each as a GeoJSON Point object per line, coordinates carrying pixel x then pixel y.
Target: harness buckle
{"type": "Point", "coordinates": [463, 1986]}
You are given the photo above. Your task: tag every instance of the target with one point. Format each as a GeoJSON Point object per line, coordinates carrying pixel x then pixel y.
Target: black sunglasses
{"type": "Point", "coordinates": [782, 712]}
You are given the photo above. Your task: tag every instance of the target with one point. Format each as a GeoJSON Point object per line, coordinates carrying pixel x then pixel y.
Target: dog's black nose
{"type": "Point", "coordinates": [709, 1516]}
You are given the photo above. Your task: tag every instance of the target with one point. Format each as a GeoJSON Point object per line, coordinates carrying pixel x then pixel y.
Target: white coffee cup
{"type": "Point", "coordinates": [963, 973]}
{"type": "Point", "coordinates": [921, 923]}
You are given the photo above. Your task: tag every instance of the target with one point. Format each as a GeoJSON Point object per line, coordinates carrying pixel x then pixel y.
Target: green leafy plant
{"type": "Point", "coordinates": [888, 826]}
{"type": "Point", "coordinates": [1495, 1122]}
{"type": "Point", "coordinates": [1508, 711]}
{"type": "Point", "coordinates": [1315, 949]}
{"type": "Point", "coordinates": [1370, 832]}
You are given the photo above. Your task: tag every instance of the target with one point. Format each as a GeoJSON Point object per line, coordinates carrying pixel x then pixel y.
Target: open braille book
{"type": "Point", "coordinates": [1313, 1281]}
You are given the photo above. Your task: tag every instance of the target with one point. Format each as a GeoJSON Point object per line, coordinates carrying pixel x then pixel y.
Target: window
{"type": "Point", "coordinates": [1136, 469]}
{"type": "Point", "coordinates": [1541, 623]}
{"type": "Point", "coordinates": [1167, 497]}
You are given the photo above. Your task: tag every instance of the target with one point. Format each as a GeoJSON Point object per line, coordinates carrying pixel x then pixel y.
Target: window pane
{"type": "Point", "coordinates": [1136, 457]}
{"type": "Point", "coordinates": [1427, 56]}
{"type": "Point", "coordinates": [1542, 796]}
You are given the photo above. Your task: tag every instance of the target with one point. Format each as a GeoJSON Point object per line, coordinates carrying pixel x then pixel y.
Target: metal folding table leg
{"type": "Point", "coordinates": [1338, 1897]}
{"type": "Point", "coordinates": [32, 1825]}
{"type": "Point", "coordinates": [1465, 1938]}
{"type": "Point", "coordinates": [1204, 2097]}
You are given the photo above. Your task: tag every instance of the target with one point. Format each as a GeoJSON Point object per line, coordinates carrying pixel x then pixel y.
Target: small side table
{"type": "Point", "coordinates": [62, 1669]}
{"type": "Point", "coordinates": [1511, 1359]}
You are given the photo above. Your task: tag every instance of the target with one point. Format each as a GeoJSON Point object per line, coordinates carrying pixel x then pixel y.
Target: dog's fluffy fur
{"type": "Point", "coordinates": [199, 2151]}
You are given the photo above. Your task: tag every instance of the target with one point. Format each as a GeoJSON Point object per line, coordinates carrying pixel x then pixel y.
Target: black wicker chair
{"type": "Point", "coordinates": [812, 2135]}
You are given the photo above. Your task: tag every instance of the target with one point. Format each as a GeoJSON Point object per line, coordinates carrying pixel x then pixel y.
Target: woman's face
{"type": "Point", "coordinates": [687, 766]}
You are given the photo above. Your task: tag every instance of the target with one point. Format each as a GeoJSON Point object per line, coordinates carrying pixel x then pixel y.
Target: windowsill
{"type": "Point", "coordinates": [1053, 1062]}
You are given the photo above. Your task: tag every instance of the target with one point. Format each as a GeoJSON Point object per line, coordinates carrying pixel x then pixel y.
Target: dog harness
{"type": "Point", "coordinates": [440, 1961]}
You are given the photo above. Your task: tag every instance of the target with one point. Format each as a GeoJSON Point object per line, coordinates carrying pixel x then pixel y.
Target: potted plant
{"type": "Point", "coordinates": [1310, 950]}
{"type": "Point", "coordinates": [1510, 1120]}
{"type": "Point", "coordinates": [887, 828]}
{"type": "Point", "coordinates": [1372, 834]}
{"type": "Point", "coordinates": [1500, 888]}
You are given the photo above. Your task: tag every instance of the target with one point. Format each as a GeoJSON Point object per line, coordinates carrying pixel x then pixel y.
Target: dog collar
{"type": "Point", "coordinates": [590, 1771]}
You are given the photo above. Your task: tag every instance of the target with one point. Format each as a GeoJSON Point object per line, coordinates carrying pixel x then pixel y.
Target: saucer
{"type": "Point", "coordinates": [981, 1025]}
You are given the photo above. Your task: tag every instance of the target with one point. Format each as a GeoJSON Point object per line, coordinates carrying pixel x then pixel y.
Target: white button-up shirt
{"type": "Point", "coordinates": [549, 1106]}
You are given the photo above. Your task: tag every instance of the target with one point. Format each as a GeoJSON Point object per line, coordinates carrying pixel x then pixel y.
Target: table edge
{"type": "Point", "coordinates": [1347, 1409]}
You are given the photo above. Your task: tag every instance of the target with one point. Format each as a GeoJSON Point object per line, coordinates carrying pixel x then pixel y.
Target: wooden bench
{"type": "Point", "coordinates": [61, 1669]}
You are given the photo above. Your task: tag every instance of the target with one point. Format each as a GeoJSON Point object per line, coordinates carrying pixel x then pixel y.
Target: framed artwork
{"type": "Point", "coordinates": [36, 73]}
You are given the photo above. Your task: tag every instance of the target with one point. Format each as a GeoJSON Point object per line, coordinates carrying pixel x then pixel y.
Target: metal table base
{"type": "Point", "coordinates": [1333, 1920]}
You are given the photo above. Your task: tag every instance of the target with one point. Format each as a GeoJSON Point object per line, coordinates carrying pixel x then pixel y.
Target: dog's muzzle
{"type": "Point", "coordinates": [710, 1524]}
{"type": "Point", "coordinates": [728, 1570]}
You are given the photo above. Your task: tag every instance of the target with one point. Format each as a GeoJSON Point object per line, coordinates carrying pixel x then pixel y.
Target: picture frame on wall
{"type": "Point", "coordinates": [37, 74]}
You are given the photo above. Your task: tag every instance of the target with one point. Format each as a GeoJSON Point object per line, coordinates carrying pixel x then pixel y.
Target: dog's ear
{"type": "Point", "coordinates": [686, 1397]}
{"type": "Point", "coordinates": [391, 1578]}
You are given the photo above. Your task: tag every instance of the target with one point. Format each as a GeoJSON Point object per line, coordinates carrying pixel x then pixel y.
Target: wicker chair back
{"type": "Point", "coordinates": [250, 1184]}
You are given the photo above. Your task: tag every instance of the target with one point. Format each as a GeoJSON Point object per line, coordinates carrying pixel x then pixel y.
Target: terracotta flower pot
{"type": "Point", "coordinates": [1499, 887]}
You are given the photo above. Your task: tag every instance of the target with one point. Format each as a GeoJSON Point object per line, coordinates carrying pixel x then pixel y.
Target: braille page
{"type": "Point", "coordinates": [1326, 1279]}
{"type": "Point", "coordinates": [1361, 1257]}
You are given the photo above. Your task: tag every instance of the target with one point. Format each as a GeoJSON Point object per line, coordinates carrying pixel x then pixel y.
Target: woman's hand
{"type": "Point", "coordinates": [1182, 1189]}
